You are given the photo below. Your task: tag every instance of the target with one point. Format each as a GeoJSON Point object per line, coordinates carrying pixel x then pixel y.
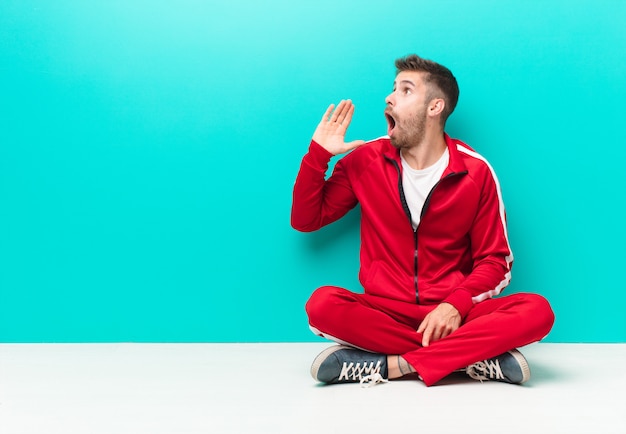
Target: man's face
{"type": "Point", "coordinates": [406, 110]}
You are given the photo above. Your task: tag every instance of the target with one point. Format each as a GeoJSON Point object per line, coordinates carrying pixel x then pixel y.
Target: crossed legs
{"type": "Point", "coordinates": [389, 327]}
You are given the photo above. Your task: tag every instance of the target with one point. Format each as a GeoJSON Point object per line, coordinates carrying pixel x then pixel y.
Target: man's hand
{"type": "Point", "coordinates": [439, 323]}
{"type": "Point", "coordinates": [331, 131]}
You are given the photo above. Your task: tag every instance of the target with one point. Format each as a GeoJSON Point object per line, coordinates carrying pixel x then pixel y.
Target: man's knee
{"type": "Point", "coordinates": [538, 312]}
{"type": "Point", "coordinates": [319, 305]}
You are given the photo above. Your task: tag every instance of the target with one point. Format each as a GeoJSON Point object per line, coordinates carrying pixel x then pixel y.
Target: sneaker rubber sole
{"type": "Point", "coordinates": [523, 364]}
{"type": "Point", "coordinates": [321, 357]}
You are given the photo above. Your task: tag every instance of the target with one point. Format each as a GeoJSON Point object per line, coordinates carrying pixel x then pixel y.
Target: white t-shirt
{"type": "Point", "coordinates": [418, 183]}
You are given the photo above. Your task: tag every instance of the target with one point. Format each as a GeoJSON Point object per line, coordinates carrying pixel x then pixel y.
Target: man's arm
{"type": "Point", "coordinates": [490, 249]}
{"type": "Point", "coordinates": [492, 265]}
{"type": "Point", "coordinates": [317, 201]}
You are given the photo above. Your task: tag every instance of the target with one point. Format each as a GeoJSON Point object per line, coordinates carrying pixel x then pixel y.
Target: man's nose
{"type": "Point", "coordinates": [389, 99]}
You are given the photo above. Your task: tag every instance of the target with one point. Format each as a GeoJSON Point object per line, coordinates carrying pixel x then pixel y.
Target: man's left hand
{"type": "Point", "coordinates": [439, 323]}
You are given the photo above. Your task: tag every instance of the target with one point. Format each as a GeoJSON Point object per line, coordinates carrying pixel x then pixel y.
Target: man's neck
{"type": "Point", "coordinates": [426, 153]}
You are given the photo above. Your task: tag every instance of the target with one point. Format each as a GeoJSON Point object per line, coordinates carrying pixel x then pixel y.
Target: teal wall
{"type": "Point", "coordinates": [148, 150]}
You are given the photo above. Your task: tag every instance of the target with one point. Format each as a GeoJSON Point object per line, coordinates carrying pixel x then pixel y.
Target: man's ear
{"type": "Point", "coordinates": [436, 106]}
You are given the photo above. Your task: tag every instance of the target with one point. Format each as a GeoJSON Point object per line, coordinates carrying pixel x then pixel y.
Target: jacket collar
{"type": "Point", "coordinates": [455, 165]}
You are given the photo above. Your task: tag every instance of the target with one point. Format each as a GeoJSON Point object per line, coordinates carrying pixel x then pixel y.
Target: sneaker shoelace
{"type": "Point", "coordinates": [372, 380]}
{"type": "Point", "coordinates": [367, 374]}
{"type": "Point", "coordinates": [485, 370]}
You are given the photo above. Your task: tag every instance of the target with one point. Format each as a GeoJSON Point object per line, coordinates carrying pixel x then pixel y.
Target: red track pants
{"type": "Point", "coordinates": [387, 326]}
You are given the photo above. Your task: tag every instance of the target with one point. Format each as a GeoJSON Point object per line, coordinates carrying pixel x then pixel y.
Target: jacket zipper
{"type": "Point", "coordinates": [407, 211]}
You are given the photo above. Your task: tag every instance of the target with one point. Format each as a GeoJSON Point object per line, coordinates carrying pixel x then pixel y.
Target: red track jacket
{"type": "Point", "coordinates": [459, 253]}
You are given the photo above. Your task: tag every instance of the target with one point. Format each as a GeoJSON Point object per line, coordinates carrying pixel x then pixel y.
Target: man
{"type": "Point", "coordinates": [434, 246]}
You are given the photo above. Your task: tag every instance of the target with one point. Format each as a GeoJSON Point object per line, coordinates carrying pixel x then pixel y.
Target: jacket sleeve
{"type": "Point", "coordinates": [318, 201]}
{"type": "Point", "coordinates": [490, 249]}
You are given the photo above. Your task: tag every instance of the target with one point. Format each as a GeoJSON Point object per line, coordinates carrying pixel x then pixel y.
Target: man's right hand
{"type": "Point", "coordinates": [331, 131]}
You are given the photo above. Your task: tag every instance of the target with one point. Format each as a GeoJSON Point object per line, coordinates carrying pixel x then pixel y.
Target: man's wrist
{"type": "Point", "coordinates": [461, 300]}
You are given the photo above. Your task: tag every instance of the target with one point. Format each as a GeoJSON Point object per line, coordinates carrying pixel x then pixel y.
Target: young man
{"type": "Point", "coordinates": [434, 246]}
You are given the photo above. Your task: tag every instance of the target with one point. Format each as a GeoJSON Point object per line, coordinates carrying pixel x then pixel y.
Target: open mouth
{"type": "Point", "coordinates": [391, 123]}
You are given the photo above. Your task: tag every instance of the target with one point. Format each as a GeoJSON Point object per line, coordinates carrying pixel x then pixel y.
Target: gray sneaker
{"type": "Point", "coordinates": [343, 364]}
{"type": "Point", "coordinates": [510, 367]}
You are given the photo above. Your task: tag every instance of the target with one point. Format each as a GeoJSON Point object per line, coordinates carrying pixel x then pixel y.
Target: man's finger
{"type": "Point", "coordinates": [341, 107]}
{"type": "Point", "coordinates": [347, 118]}
{"type": "Point", "coordinates": [355, 143]}
{"type": "Point", "coordinates": [437, 334]}
{"type": "Point", "coordinates": [422, 327]}
{"type": "Point", "coordinates": [345, 114]}
{"type": "Point", "coordinates": [329, 110]}
{"type": "Point", "coordinates": [426, 334]}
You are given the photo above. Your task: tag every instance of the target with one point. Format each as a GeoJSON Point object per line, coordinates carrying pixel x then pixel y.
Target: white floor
{"type": "Point", "coordinates": [266, 388]}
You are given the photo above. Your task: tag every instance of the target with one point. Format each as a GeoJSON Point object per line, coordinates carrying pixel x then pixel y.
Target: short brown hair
{"type": "Point", "coordinates": [435, 75]}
